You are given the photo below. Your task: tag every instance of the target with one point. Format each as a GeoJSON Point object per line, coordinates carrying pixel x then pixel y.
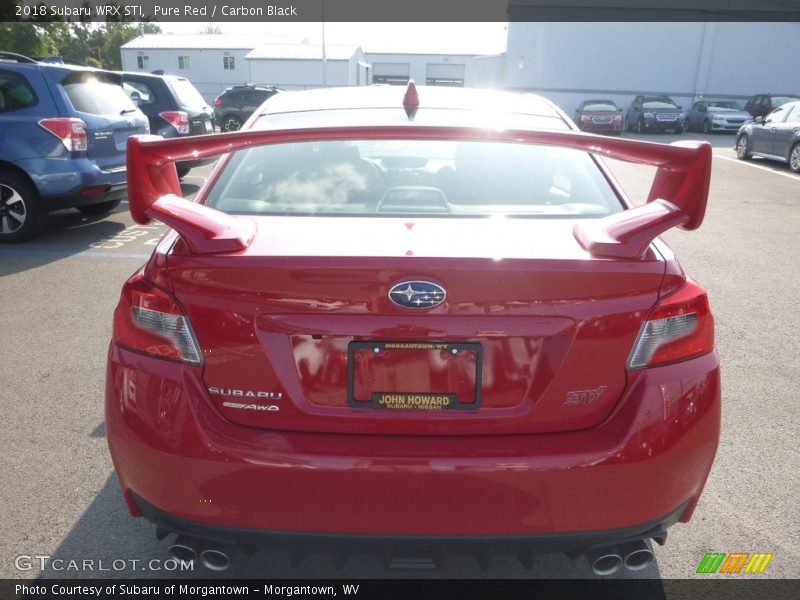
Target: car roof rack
{"type": "Point", "coordinates": [20, 58]}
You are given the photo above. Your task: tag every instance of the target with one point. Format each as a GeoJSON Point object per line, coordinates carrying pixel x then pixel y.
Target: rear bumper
{"type": "Point", "coordinates": [85, 196]}
{"type": "Point", "coordinates": [644, 467]}
{"type": "Point", "coordinates": [74, 182]}
{"type": "Point", "coordinates": [342, 543]}
{"type": "Point", "coordinates": [725, 126]}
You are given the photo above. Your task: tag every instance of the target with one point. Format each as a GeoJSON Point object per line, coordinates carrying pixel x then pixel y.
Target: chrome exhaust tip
{"type": "Point", "coordinates": [184, 549]}
{"type": "Point", "coordinates": [216, 558]}
{"type": "Point", "coordinates": [638, 555]}
{"type": "Point", "coordinates": [604, 561]}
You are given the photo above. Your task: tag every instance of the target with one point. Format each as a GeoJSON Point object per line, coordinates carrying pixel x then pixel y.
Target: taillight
{"type": "Point", "coordinates": [150, 321]}
{"type": "Point", "coordinates": [218, 102]}
{"type": "Point", "coordinates": [178, 119]}
{"type": "Point", "coordinates": [680, 327]}
{"type": "Point", "coordinates": [71, 132]}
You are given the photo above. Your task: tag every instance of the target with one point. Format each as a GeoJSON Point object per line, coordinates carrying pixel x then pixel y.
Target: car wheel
{"type": "Point", "coordinates": [640, 125]}
{"type": "Point", "coordinates": [706, 128]}
{"type": "Point", "coordinates": [22, 215]}
{"type": "Point", "coordinates": [100, 208]}
{"type": "Point", "coordinates": [231, 123]}
{"type": "Point", "coordinates": [794, 158]}
{"type": "Point", "coordinates": [743, 148]}
{"type": "Point", "coordinates": [679, 130]}
{"type": "Point", "coordinates": [183, 171]}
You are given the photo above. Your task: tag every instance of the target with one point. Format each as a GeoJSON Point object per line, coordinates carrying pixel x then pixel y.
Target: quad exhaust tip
{"type": "Point", "coordinates": [215, 558]}
{"type": "Point", "coordinates": [212, 556]}
{"type": "Point", "coordinates": [607, 560]}
{"type": "Point", "coordinates": [638, 555]}
{"type": "Point", "coordinates": [184, 549]}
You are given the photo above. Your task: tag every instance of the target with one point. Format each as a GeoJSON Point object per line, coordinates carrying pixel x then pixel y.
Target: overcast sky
{"type": "Point", "coordinates": [434, 38]}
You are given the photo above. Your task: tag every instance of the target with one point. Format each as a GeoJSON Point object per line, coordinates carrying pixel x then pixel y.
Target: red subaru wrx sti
{"type": "Point", "coordinates": [414, 316]}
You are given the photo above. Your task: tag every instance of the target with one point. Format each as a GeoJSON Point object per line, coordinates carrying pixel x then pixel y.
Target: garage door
{"type": "Point", "coordinates": [391, 73]}
{"type": "Point", "coordinates": [445, 74]}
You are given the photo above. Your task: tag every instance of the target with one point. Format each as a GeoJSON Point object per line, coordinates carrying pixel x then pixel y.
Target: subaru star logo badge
{"type": "Point", "coordinates": [417, 294]}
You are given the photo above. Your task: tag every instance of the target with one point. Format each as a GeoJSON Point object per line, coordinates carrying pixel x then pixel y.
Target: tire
{"type": "Point", "coordinates": [183, 170]}
{"type": "Point", "coordinates": [794, 158]}
{"type": "Point", "coordinates": [22, 215]}
{"type": "Point", "coordinates": [706, 128]}
{"type": "Point", "coordinates": [100, 208]}
{"type": "Point", "coordinates": [640, 125]}
{"type": "Point", "coordinates": [679, 130]}
{"type": "Point", "coordinates": [688, 125]}
{"type": "Point", "coordinates": [743, 148]}
{"type": "Point", "coordinates": [231, 123]}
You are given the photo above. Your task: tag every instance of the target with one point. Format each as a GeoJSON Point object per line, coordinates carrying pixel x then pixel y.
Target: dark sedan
{"type": "Point", "coordinates": [599, 116]}
{"type": "Point", "coordinates": [654, 113]}
{"type": "Point", "coordinates": [777, 137]}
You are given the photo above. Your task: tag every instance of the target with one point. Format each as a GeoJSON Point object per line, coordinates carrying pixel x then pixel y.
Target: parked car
{"type": "Point", "coordinates": [761, 105]}
{"type": "Point", "coordinates": [235, 105]}
{"type": "Point", "coordinates": [777, 137]}
{"type": "Point", "coordinates": [174, 107]}
{"type": "Point", "coordinates": [716, 115]}
{"type": "Point", "coordinates": [599, 116]}
{"type": "Point", "coordinates": [654, 113]}
{"type": "Point", "coordinates": [63, 130]}
{"type": "Point", "coordinates": [546, 380]}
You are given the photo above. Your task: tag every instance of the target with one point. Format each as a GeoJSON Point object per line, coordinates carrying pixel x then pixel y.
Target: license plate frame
{"type": "Point", "coordinates": [417, 400]}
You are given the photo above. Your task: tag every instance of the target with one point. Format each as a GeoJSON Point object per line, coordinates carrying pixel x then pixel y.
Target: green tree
{"type": "Point", "coordinates": [82, 41]}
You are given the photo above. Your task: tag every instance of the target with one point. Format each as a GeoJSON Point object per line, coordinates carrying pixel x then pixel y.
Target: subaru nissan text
{"type": "Point", "coordinates": [424, 315]}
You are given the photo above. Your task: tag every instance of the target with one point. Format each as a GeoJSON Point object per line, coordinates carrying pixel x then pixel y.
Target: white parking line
{"type": "Point", "coordinates": [763, 168]}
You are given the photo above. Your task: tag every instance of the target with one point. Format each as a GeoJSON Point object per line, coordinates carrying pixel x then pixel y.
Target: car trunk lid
{"type": "Point", "coordinates": [299, 331]}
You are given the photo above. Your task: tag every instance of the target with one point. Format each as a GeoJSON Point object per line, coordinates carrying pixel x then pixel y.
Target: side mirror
{"type": "Point", "coordinates": [136, 98]}
{"type": "Point", "coordinates": [680, 107]}
{"type": "Point", "coordinates": [759, 120]}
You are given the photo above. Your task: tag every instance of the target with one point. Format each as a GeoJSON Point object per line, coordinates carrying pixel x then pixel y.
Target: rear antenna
{"type": "Point", "coordinates": [411, 100]}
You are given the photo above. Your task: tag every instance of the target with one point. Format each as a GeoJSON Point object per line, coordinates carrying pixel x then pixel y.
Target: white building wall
{"type": "Point", "coordinates": [301, 74]}
{"type": "Point", "coordinates": [753, 58]}
{"type": "Point", "coordinates": [570, 62]}
{"type": "Point", "coordinates": [206, 70]}
{"type": "Point", "coordinates": [487, 72]}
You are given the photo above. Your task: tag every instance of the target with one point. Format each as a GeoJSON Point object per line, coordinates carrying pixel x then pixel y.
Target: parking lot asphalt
{"type": "Point", "coordinates": [60, 497]}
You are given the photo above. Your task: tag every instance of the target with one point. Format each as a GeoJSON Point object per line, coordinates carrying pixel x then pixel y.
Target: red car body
{"type": "Point", "coordinates": [274, 429]}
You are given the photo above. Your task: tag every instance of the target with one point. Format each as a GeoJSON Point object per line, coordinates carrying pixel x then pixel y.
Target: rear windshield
{"type": "Point", "coordinates": [187, 94]}
{"type": "Point", "coordinates": [411, 177]}
{"type": "Point", "coordinates": [96, 96]}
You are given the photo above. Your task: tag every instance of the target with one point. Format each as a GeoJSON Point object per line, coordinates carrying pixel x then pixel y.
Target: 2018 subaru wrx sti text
{"type": "Point", "coordinates": [430, 315]}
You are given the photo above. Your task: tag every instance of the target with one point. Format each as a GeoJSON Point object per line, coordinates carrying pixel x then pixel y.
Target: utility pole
{"type": "Point", "coordinates": [324, 57]}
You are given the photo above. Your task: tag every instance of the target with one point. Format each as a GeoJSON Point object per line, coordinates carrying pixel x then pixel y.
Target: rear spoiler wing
{"type": "Point", "coordinates": [677, 198]}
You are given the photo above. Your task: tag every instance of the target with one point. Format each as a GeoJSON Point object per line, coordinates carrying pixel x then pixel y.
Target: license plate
{"type": "Point", "coordinates": [414, 375]}
{"type": "Point", "coordinates": [208, 126]}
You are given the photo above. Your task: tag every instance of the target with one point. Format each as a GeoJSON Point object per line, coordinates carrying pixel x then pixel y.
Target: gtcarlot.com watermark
{"type": "Point", "coordinates": [44, 562]}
